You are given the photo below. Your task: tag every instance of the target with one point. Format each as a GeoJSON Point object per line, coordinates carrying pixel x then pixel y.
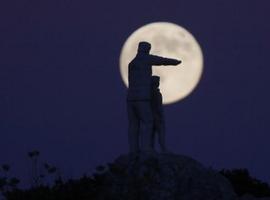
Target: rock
{"type": "Point", "coordinates": [154, 176]}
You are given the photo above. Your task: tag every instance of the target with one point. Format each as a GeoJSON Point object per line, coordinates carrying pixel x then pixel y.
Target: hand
{"type": "Point", "coordinates": [179, 62]}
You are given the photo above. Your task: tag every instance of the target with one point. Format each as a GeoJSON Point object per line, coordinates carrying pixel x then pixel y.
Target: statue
{"type": "Point", "coordinates": [140, 114]}
{"type": "Point", "coordinates": [158, 115]}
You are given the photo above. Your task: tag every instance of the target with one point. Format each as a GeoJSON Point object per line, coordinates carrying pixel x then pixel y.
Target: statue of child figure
{"type": "Point", "coordinates": [158, 115]}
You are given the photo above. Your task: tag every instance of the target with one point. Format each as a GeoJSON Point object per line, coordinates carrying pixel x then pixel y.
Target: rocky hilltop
{"type": "Point", "coordinates": [156, 176]}
{"type": "Point", "coordinates": [148, 177]}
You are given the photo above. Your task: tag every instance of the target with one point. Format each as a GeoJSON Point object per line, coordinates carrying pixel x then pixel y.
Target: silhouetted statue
{"type": "Point", "coordinates": [139, 107]}
{"type": "Point", "coordinates": [158, 115]}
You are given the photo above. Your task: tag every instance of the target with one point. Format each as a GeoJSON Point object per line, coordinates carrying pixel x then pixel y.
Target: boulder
{"type": "Point", "coordinates": [155, 176]}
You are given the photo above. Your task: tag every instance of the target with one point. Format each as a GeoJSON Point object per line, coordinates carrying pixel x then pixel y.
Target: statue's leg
{"type": "Point", "coordinates": [153, 134]}
{"type": "Point", "coordinates": [160, 126]}
{"type": "Point", "coordinates": [161, 135]}
{"type": "Point", "coordinates": [146, 124]}
{"type": "Point", "coordinates": [133, 128]}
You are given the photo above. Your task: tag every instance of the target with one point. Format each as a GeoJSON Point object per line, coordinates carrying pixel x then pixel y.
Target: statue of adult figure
{"type": "Point", "coordinates": [139, 109]}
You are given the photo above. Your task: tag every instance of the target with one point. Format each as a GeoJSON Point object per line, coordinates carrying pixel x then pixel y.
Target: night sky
{"type": "Point", "coordinates": [61, 91]}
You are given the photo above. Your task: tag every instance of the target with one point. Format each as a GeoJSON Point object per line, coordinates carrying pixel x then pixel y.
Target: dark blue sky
{"type": "Point", "coordinates": [61, 91]}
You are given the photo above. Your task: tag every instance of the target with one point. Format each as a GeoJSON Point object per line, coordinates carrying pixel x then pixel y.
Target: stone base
{"type": "Point", "coordinates": [154, 176]}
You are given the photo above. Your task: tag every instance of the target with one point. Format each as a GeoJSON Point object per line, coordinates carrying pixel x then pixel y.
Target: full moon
{"type": "Point", "coordinates": [172, 41]}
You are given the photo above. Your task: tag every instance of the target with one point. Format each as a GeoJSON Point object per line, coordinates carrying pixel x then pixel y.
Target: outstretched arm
{"type": "Point", "coordinates": [157, 60]}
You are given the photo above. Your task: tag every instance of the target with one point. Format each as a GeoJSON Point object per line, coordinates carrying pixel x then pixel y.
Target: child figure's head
{"type": "Point", "coordinates": [155, 81]}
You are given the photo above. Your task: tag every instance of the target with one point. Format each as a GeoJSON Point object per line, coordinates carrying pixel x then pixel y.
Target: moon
{"type": "Point", "coordinates": [172, 41]}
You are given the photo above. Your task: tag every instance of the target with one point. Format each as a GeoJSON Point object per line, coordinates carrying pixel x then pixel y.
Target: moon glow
{"type": "Point", "coordinates": [172, 41]}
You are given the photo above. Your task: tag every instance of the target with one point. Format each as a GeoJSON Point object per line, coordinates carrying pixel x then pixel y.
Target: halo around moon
{"type": "Point", "coordinates": [172, 41]}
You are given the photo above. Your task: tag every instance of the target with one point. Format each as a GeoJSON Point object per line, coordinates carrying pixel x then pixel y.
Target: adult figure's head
{"type": "Point", "coordinates": [144, 47]}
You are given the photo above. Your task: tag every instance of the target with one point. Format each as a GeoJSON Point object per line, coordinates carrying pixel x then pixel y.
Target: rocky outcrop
{"type": "Point", "coordinates": [156, 176]}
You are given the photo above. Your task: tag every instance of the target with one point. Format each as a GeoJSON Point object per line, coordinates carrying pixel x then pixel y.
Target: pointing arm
{"type": "Point", "coordinates": [157, 60]}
